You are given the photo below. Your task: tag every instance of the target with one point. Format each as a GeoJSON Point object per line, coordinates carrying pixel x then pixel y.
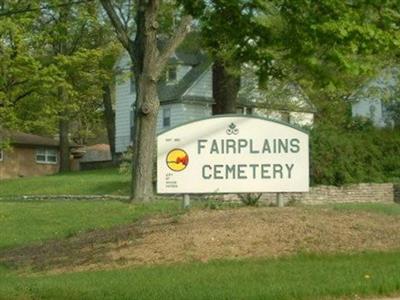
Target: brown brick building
{"type": "Point", "coordinates": [29, 155]}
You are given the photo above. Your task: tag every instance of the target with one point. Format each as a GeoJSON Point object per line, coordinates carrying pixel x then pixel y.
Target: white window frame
{"type": "Point", "coordinates": [46, 152]}
{"type": "Point", "coordinates": [1, 155]}
{"type": "Point", "coordinates": [166, 116]}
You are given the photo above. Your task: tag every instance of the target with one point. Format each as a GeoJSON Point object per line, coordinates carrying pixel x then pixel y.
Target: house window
{"type": "Point", "coordinates": [285, 116]}
{"type": "Point", "coordinates": [46, 156]}
{"type": "Point", "coordinates": [166, 117]}
{"type": "Point", "coordinates": [171, 74]}
{"type": "Point", "coordinates": [1, 155]}
{"type": "Point", "coordinates": [240, 110]}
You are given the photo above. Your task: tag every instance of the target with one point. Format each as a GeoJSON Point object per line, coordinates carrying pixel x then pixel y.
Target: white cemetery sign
{"type": "Point", "coordinates": [232, 154]}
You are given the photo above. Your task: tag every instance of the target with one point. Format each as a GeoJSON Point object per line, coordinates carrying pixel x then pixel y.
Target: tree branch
{"type": "Point", "coordinates": [122, 34]}
{"type": "Point", "coordinates": [20, 97]}
{"type": "Point", "coordinates": [173, 43]}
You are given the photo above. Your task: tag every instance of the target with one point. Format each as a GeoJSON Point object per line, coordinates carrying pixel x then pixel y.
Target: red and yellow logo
{"type": "Point", "coordinates": [177, 160]}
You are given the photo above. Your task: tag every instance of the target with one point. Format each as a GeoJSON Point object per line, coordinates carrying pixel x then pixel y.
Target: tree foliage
{"type": "Point", "coordinates": [50, 44]}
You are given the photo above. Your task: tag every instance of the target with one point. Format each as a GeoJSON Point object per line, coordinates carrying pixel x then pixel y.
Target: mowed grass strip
{"type": "Point", "coordinates": [96, 182]}
{"type": "Point", "coordinates": [297, 277]}
{"type": "Point", "coordinates": [390, 209]}
{"type": "Point", "coordinates": [26, 222]}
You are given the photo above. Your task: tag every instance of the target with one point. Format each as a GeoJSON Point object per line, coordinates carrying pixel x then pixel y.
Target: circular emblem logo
{"type": "Point", "coordinates": [177, 160]}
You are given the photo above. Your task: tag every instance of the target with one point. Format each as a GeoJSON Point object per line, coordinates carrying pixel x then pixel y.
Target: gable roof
{"type": "Point", "coordinates": [95, 153]}
{"type": "Point", "coordinates": [175, 92]}
{"type": "Point", "coordinates": [20, 138]}
{"type": "Point", "coordinates": [290, 97]}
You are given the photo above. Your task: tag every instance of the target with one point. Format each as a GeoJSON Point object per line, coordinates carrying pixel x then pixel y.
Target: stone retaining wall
{"type": "Point", "coordinates": [365, 192]}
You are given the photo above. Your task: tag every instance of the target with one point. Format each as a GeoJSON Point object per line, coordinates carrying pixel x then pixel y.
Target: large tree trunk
{"type": "Point", "coordinates": [145, 140]}
{"type": "Point", "coordinates": [147, 103]}
{"type": "Point", "coordinates": [148, 65]}
{"type": "Point", "coordinates": [110, 120]}
{"type": "Point", "coordinates": [226, 87]}
{"type": "Point", "coordinates": [63, 132]}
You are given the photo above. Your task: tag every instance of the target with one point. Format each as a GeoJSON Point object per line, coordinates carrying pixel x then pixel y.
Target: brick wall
{"type": "Point", "coordinates": [21, 162]}
{"type": "Point", "coordinates": [364, 192]}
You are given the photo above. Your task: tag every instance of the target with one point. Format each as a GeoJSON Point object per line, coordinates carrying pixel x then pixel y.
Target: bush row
{"type": "Point", "coordinates": [353, 155]}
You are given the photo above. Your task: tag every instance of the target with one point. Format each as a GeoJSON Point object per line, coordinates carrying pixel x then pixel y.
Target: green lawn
{"type": "Point", "coordinates": [298, 277]}
{"type": "Point", "coordinates": [391, 209]}
{"type": "Point", "coordinates": [24, 222]}
{"type": "Point", "coordinates": [97, 182]}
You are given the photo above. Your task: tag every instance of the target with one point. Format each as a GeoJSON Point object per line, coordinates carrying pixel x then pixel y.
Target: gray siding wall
{"type": "Point", "coordinates": [370, 108]}
{"type": "Point", "coordinates": [177, 115]}
{"type": "Point", "coordinates": [180, 112]}
{"type": "Point", "coordinates": [194, 111]}
{"type": "Point", "coordinates": [370, 99]}
{"type": "Point", "coordinates": [202, 87]}
{"type": "Point", "coordinates": [123, 107]}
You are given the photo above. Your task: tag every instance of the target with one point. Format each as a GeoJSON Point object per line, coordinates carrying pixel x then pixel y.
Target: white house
{"type": "Point", "coordinates": [372, 99]}
{"type": "Point", "coordinates": [185, 93]}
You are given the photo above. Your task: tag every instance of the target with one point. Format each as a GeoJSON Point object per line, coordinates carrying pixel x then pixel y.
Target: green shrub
{"type": "Point", "coordinates": [360, 153]}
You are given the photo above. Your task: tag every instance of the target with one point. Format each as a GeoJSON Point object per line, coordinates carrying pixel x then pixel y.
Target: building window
{"type": "Point", "coordinates": [240, 110]}
{"type": "Point", "coordinates": [166, 117]}
{"type": "Point", "coordinates": [46, 156]}
{"type": "Point", "coordinates": [171, 74]}
{"type": "Point", "coordinates": [1, 155]}
{"type": "Point", "coordinates": [285, 116]}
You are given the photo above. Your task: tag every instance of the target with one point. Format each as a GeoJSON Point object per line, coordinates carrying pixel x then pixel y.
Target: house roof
{"type": "Point", "coordinates": [20, 138]}
{"type": "Point", "coordinates": [98, 152]}
{"type": "Point", "coordinates": [175, 92]}
{"type": "Point", "coordinates": [282, 97]}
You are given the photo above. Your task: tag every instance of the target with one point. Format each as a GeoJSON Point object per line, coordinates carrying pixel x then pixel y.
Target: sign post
{"type": "Point", "coordinates": [232, 154]}
{"type": "Point", "coordinates": [186, 201]}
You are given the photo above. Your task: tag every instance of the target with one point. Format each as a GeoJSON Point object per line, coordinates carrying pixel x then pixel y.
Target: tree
{"type": "Point", "coordinates": [328, 47]}
{"type": "Point", "coordinates": [24, 77]}
{"type": "Point", "coordinates": [75, 39]}
{"type": "Point", "coordinates": [148, 64]}
{"type": "Point", "coordinates": [51, 49]}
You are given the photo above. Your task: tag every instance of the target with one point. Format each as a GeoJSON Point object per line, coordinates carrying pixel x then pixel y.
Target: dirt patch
{"type": "Point", "coordinates": [202, 235]}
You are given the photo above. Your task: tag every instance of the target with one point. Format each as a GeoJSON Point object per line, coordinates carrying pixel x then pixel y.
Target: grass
{"type": "Point", "coordinates": [391, 209]}
{"type": "Point", "coordinates": [34, 221]}
{"type": "Point", "coordinates": [96, 182]}
{"type": "Point", "coordinates": [298, 277]}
